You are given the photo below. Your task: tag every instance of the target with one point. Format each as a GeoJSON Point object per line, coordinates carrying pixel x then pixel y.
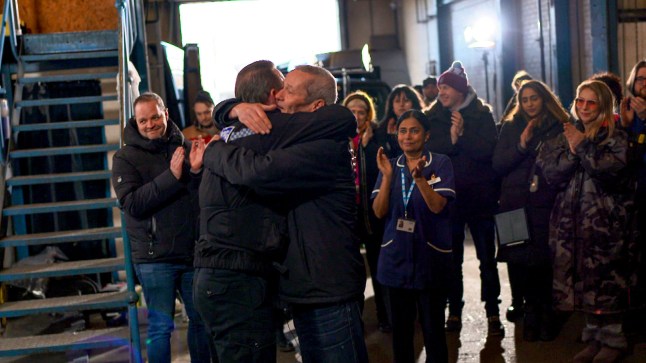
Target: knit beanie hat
{"type": "Point", "coordinates": [455, 77]}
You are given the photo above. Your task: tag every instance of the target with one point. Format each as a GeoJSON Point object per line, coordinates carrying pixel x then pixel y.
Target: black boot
{"type": "Point", "coordinates": [514, 312]}
{"type": "Point", "coordinates": [549, 326]}
{"type": "Point", "coordinates": [531, 324]}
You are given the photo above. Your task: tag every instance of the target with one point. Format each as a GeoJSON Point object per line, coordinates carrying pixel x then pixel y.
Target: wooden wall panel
{"type": "Point", "coordinates": [56, 16]}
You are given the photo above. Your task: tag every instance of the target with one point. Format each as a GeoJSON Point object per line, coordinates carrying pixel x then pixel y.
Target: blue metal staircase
{"type": "Point", "coordinates": [62, 179]}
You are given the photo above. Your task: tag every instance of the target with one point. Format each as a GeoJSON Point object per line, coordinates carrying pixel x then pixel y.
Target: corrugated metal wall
{"type": "Point", "coordinates": [631, 34]}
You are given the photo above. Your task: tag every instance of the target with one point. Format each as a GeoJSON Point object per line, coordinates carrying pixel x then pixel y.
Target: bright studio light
{"type": "Point", "coordinates": [481, 34]}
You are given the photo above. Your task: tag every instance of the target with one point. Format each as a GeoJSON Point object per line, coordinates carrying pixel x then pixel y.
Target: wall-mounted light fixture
{"type": "Point", "coordinates": [481, 35]}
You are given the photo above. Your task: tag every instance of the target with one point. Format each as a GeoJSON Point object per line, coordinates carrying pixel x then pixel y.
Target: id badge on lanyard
{"type": "Point", "coordinates": [406, 224]}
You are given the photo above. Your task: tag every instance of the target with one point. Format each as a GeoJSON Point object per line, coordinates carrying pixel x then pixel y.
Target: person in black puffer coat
{"type": "Point", "coordinates": [462, 127]}
{"type": "Point", "coordinates": [158, 194]}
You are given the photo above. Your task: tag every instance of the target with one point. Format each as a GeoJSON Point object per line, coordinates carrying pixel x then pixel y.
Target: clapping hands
{"type": "Point", "coordinates": [383, 163]}
{"type": "Point", "coordinates": [573, 136]}
{"type": "Point", "coordinates": [196, 157]}
{"type": "Point", "coordinates": [457, 126]}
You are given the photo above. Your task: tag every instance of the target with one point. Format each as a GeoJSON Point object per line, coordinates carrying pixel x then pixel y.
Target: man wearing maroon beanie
{"type": "Point", "coordinates": [463, 128]}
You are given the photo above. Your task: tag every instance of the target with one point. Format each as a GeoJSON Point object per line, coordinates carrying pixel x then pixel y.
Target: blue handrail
{"type": "Point", "coordinates": [7, 4]}
{"type": "Point", "coordinates": [8, 18]}
{"type": "Point", "coordinates": [127, 37]}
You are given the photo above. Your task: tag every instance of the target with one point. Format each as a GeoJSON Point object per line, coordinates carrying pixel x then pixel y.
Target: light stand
{"type": "Point", "coordinates": [481, 35]}
{"type": "Point", "coordinates": [485, 60]}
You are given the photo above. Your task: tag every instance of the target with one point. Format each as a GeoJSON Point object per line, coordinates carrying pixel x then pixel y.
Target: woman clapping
{"type": "Point", "coordinates": [412, 193]}
{"type": "Point", "coordinates": [591, 231]}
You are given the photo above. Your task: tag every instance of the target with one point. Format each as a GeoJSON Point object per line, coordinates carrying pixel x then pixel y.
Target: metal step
{"type": "Point", "coordinates": [62, 269]}
{"type": "Point", "coordinates": [60, 62]}
{"type": "Point", "coordinates": [66, 42]}
{"type": "Point", "coordinates": [68, 56]}
{"type": "Point", "coordinates": [67, 77]}
{"type": "Point", "coordinates": [64, 150]}
{"type": "Point", "coordinates": [87, 339]}
{"type": "Point", "coordinates": [64, 125]}
{"type": "Point", "coordinates": [65, 101]}
{"type": "Point", "coordinates": [107, 300]}
{"type": "Point", "coordinates": [74, 205]}
{"type": "Point", "coordinates": [58, 178]}
{"type": "Point", "coordinates": [61, 237]}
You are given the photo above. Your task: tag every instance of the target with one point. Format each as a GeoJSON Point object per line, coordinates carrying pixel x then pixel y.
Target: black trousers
{"type": "Point", "coordinates": [430, 304]}
{"type": "Point", "coordinates": [531, 285]}
{"type": "Point", "coordinates": [483, 232]}
{"type": "Point", "coordinates": [238, 309]}
{"type": "Point", "coordinates": [373, 248]}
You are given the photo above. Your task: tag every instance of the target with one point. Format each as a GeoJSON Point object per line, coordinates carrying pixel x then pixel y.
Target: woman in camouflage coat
{"type": "Point", "coordinates": [590, 234]}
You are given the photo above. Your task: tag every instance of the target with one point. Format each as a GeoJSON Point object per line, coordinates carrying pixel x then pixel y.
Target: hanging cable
{"type": "Point", "coordinates": [541, 40]}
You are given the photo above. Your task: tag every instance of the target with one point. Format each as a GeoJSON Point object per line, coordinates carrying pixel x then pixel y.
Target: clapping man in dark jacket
{"type": "Point", "coordinates": [633, 121]}
{"type": "Point", "coordinates": [158, 194]}
{"type": "Point", "coordinates": [463, 128]}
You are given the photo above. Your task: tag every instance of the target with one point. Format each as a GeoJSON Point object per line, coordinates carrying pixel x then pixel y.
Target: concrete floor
{"type": "Point", "coordinates": [471, 345]}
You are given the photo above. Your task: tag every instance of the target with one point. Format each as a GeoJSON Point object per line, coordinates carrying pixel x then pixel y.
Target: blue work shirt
{"type": "Point", "coordinates": [420, 259]}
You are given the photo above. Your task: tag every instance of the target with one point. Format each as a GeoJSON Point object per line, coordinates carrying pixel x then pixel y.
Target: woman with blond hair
{"type": "Point", "coordinates": [536, 118]}
{"type": "Point", "coordinates": [368, 227]}
{"type": "Point", "coordinates": [591, 226]}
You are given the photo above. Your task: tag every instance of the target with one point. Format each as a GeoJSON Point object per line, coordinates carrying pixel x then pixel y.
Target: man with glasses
{"type": "Point", "coordinates": [633, 120]}
{"type": "Point", "coordinates": [203, 126]}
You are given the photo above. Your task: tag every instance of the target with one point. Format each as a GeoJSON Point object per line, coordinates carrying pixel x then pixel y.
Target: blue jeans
{"type": "Point", "coordinates": [483, 232]}
{"type": "Point", "coordinates": [238, 310]}
{"type": "Point", "coordinates": [330, 333]}
{"type": "Point", "coordinates": [161, 282]}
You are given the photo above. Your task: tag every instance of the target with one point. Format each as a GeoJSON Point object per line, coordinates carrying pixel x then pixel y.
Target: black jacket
{"type": "Point", "coordinates": [637, 157]}
{"type": "Point", "coordinates": [160, 211]}
{"type": "Point", "coordinates": [369, 226]}
{"type": "Point", "coordinates": [246, 230]}
{"type": "Point", "coordinates": [516, 168]}
{"type": "Point", "coordinates": [476, 183]}
{"type": "Point", "coordinates": [387, 141]}
{"type": "Point", "coordinates": [323, 261]}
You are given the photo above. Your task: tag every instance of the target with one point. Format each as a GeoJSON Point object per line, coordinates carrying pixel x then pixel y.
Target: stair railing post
{"type": "Point", "coordinates": [125, 112]}
{"type": "Point", "coordinates": [125, 107]}
{"type": "Point", "coordinates": [133, 319]}
{"type": "Point", "coordinates": [5, 14]}
{"type": "Point", "coordinates": [14, 25]}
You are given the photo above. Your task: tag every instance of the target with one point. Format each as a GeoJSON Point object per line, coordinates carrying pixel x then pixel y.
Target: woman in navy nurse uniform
{"type": "Point", "coordinates": [412, 194]}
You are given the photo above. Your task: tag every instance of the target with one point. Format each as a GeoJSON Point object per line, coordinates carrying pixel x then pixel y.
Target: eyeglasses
{"type": "Point", "coordinates": [640, 79]}
{"type": "Point", "coordinates": [582, 102]}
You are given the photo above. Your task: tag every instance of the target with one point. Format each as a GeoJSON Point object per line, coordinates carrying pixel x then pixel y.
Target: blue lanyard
{"type": "Point", "coordinates": [405, 195]}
